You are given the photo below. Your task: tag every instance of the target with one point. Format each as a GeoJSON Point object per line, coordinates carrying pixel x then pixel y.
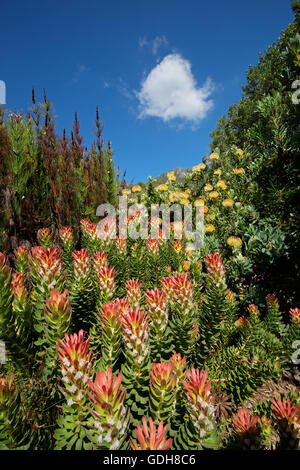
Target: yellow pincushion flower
{"type": "Point", "coordinates": [217, 172]}
{"type": "Point", "coordinates": [222, 184]}
{"type": "Point", "coordinates": [184, 201]}
{"type": "Point", "coordinates": [227, 203]}
{"type": "Point", "coordinates": [214, 156]}
{"type": "Point", "coordinates": [173, 196]}
{"type": "Point", "coordinates": [209, 228]}
{"type": "Point", "coordinates": [171, 176]}
{"type": "Point", "coordinates": [186, 265]}
{"type": "Point", "coordinates": [208, 187]}
{"type": "Point", "coordinates": [199, 202]}
{"type": "Point", "coordinates": [213, 195]}
{"type": "Point", "coordinates": [136, 188]}
{"type": "Point", "coordinates": [234, 241]}
{"type": "Point", "coordinates": [240, 152]}
{"type": "Point", "coordinates": [126, 192]}
{"type": "Point", "coordinates": [239, 171]}
{"type": "Point", "coordinates": [162, 187]}
{"type": "Point", "coordinates": [187, 191]}
{"type": "Point", "coordinates": [199, 167]}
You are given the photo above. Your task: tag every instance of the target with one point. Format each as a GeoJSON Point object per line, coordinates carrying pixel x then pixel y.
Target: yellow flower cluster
{"type": "Point", "coordinates": [209, 228]}
{"type": "Point", "coordinates": [214, 156]}
{"type": "Point", "coordinates": [208, 187]}
{"type": "Point", "coordinates": [217, 172]}
{"type": "Point", "coordinates": [234, 241]}
{"type": "Point", "coordinates": [240, 152]}
{"type": "Point", "coordinates": [227, 203]}
{"type": "Point", "coordinates": [199, 167]}
{"type": "Point", "coordinates": [222, 184]}
{"type": "Point", "coordinates": [126, 192]}
{"type": "Point", "coordinates": [162, 187]}
{"type": "Point", "coordinates": [239, 171]}
{"type": "Point", "coordinates": [136, 188]}
{"type": "Point", "coordinates": [213, 195]}
{"type": "Point", "coordinates": [171, 176]}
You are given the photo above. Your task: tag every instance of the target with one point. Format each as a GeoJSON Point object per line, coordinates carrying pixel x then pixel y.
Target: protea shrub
{"type": "Point", "coordinates": [83, 293]}
{"type": "Point", "coordinates": [57, 315]}
{"type": "Point", "coordinates": [111, 332]}
{"type": "Point", "coordinates": [162, 391]}
{"type": "Point", "coordinates": [200, 418]}
{"type": "Point", "coordinates": [111, 415]}
{"type": "Point", "coordinates": [45, 238]}
{"type": "Point", "coordinates": [74, 423]}
{"type": "Point", "coordinates": [76, 363]}
{"type": "Point", "coordinates": [157, 309]}
{"type": "Point", "coordinates": [106, 278]}
{"type": "Point", "coordinates": [135, 327]}
{"type": "Point", "coordinates": [21, 261]}
{"type": "Point", "coordinates": [134, 292]}
{"type": "Point", "coordinates": [183, 315]}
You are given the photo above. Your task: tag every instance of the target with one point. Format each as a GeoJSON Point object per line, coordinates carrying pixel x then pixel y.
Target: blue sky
{"type": "Point", "coordinates": [162, 72]}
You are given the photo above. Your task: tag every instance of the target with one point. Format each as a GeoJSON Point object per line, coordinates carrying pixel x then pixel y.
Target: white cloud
{"type": "Point", "coordinates": [170, 91]}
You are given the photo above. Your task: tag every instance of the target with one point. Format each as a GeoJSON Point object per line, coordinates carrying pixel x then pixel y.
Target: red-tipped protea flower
{"type": "Point", "coordinates": [295, 316]}
{"type": "Point", "coordinates": [67, 237]}
{"type": "Point", "coordinates": [241, 322]}
{"type": "Point", "coordinates": [57, 314]}
{"type": "Point", "coordinates": [136, 335]}
{"type": "Point", "coordinates": [46, 267]}
{"type": "Point", "coordinates": [177, 246]}
{"type": "Point", "coordinates": [91, 231]}
{"type": "Point", "coordinates": [230, 297]}
{"type": "Point", "coordinates": [134, 292]}
{"type": "Point", "coordinates": [109, 410]}
{"type": "Point", "coordinates": [18, 280]}
{"type": "Point", "coordinates": [199, 401]}
{"type": "Point", "coordinates": [121, 245]}
{"type": "Point", "coordinates": [183, 292]}
{"type": "Point", "coordinates": [157, 307]}
{"type": "Point", "coordinates": [99, 260]}
{"type": "Point", "coordinates": [45, 237]}
{"type": "Point", "coordinates": [150, 439]}
{"type": "Point", "coordinates": [75, 358]}
{"type": "Point", "coordinates": [253, 310]}
{"type": "Point", "coordinates": [286, 415]}
{"type": "Point", "coordinates": [163, 389]}
{"type": "Point", "coordinates": [153, 246]}
{"type": "Point", "coordinates": [82, 265]}
{"type": "Point", "coordinates": [245, 424]}
{"type": "Point", "coordinates": [272, 301]}
{"type": "Point", "coordinates": [106, 230]}
{"type": "Point", "coordinates": [21, 263]}
{"type": "Point", "coordinates": [178, 364]}
{"type": "Point", "coordinates": [215, 269]}
{"type": "Point", "coordinates": [168, 287]}
{"type": "Point", "coordinates": [84, 223]}
{"type": "Point", "coordinates": [106, 278]}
